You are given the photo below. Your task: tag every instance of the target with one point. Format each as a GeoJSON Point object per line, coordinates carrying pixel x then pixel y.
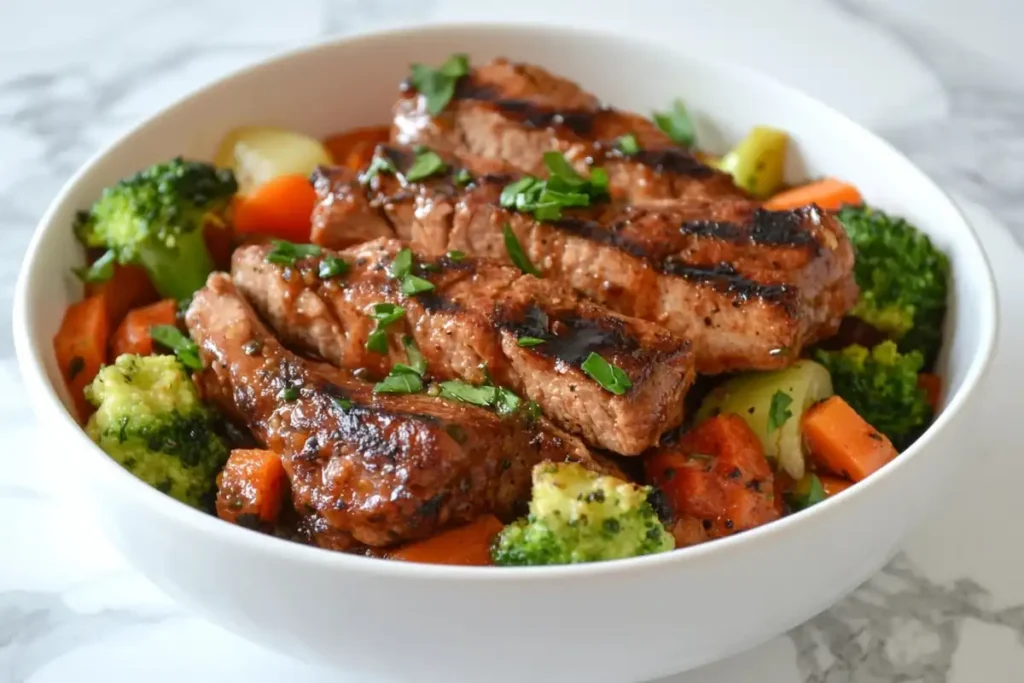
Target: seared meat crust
{"type": "Point", "coordinates": [749, 287]}
{"type": "Point", "coordinates": [468, 327]}
{"type": "Point", "coordinates": [365, 469]}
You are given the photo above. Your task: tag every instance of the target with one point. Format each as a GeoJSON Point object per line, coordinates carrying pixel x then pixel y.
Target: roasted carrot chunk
{"type": "Point", "coordinates": [829, 194]}
{"type": "Point", "coordinates": [133, 336]}
{"type": "Point", "coordinates": [251, 487]}
{"type": "Point", "coordinates": [465, 545]}
{"type": "Point", "coordinates": [80, 346]}
{"type": "Point", "coordinates": [281, 207]}
{"type": "Point", "coordinates": [717, 475]}
{"type": "Point", "coordinates": [842, 442]}
{"type": "Point", "coordinates": [128, 288]}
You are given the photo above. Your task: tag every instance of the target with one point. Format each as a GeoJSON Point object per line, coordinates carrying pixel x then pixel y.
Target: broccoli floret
{"type": "Point", "coordinates": [579, 516]}
{"type": "Point", "coordinates": [150, 420]}
{"type": "Point", "coordinates": [155, 219]}
{"type": "Point", "coordinates": [881, 385]}
{"type": "Point", "coordinates": [903, 279]}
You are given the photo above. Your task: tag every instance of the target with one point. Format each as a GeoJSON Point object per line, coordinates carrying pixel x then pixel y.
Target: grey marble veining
{"type": "Point", "coordinates": [955, 105]}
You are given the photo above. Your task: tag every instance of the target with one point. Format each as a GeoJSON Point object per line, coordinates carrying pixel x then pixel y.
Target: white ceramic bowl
{"type": "Point", "coordinates": [621, 621]}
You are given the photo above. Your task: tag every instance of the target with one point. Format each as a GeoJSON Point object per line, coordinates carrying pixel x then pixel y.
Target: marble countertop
{"type": "Point", "coordinates": [939, 78]}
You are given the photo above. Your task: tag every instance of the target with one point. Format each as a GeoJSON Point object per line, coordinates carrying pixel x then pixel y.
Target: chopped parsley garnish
{"type": "Point", "coordinates": [402, 265]}
{"type": "Point", "coordinates": [286, 253]}
{"type": "Point", "coordinates": [676, 124]}
{"type": "Point", "coordinates": [564, 188]}
{"type": "Point", "coordinates": [332, 266]}
{"type": "Point", "coordinates": [413, 284]}
{"type": "Point", "coordinates": [342, 403]}
{"type": "Point", "coordinates": [101, 270]}
{"type": "Point", "coordinates": [417, 363]}
{"type": "Point", "coordinates": [380, 164]}
{"type": "Point", "coordinates": [405, 378]}
{"type": "Point", "coordinates": [457, 390]}
{"type": "Point", "coordinates": [185, 349]}
{"type": "Point", "coordinates": [438, 85]}
{"type": "Point", "coordinates": [807, 492]}
{"type": "Point", "coordinates": [384, 314]}
{"type": "Point", "coordinates": [427, 163]}
{"type": "Point", "coordinates": [456, 255]}
{"type": "Point", "coordinates": [463, 177]}
{"type": "Point", "coordinates": [502, 400]}
{"type": "Point", "coordinates": [610, 377]}
{"type": "Point", "coordinates": [527, 342]}
{"type": "Point", "coordinates": [401, 269]}
{"type": "Point", "coordinates": [399, 383]}
{"type": "Point", "coordinates": [778, 411]}
{"type": "Point", "coordinates": [628, 144]}
{"type": "Point", "coordinates": [288, 393]}
{"type": "Point", "coordinates": [516, 253]}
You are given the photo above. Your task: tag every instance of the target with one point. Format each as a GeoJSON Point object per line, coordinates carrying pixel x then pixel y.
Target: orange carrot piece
{"type": "Point", "coordinates": [280, 207]}
{"type": "Point", "coordinates": [829, 194]}
{"type": "Point", "coordinates": [932, 385]}
{"type": "Point", "coordinates": [718, 475]}
{"type": "Point", "coordinates": [251, 487]}
{"type": "Point", "coordinates": [468, 545]}
{"type": "Point", "coordinates": [842, 442]}
{"type": "Point", "coordinates": [80, 346]}
{"type": "Point", "coordinates": [128, 288]}
{"type": "Point", "coordinates": [132, 335]}
{"type": "Point", "coordinates": [354, 148]}
{"type": "Point", "coordinates": [833, 485]}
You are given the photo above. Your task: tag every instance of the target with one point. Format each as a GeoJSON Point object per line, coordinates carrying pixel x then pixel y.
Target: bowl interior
{"type": "Point", "coordinates": [335, 86]}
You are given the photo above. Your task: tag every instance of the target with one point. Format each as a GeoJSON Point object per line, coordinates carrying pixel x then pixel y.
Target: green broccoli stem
{"type": "Point", "coordinates": [180, 271]}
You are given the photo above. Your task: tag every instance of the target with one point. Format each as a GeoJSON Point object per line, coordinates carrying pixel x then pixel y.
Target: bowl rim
{"type": "Point", "coordinates": [30, 352]}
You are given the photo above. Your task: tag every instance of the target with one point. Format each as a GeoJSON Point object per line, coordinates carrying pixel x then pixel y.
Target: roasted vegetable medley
{"type": "Point", "coordinates": [512, 326]}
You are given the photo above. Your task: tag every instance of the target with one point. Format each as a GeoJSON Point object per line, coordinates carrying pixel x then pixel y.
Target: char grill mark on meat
{"type": "Point", "coordinates": [365, 469]}
{"type": "Point", "coordinates": [516, 112]}
{"type": "Point", "coordinates": [468, 328]}
{"type": "Point", "coordinates": [749, 287]}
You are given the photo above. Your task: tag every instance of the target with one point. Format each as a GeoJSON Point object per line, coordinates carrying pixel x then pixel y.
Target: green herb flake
{"type": "Point", "coordinates": [413, 284]}
{"type": "Point", "coordinates": [609, 376]}
{"type": "Point", "coordinates": [402, 265]}
{"type": "Point", "coordinates": [778, 411]}
{"type": "Point", "coordinates": [456, 255]}
{"type": "Point", "coordinates": [457, 390]}
{"type": "Point", "coordinates": [505, 401]}
{"type": "Point", "coordinates": [676, 124]}
{"type": "Point", "coordinates": [101, 270]}
{"type": "Point", "coordinates": [171, 338]}
{"type": "Point", "coordinates": [516, 253]}
{"type": "Point", "coordinates": [332, 266]}
{"type": "Point", "coordinates": [513, 191]}
{"type": "Point", "coordinates": [528, 342]}
{"type": "Point", "coordinates": [463, 177]}
{"type": "Point", "coordinates": [342, 403]}
{"type": "Point", "coordinates": [399, 383]}
{"type": "Point", "coordinates": [417, 363]}
{"type": "Point", "coordinates": [285, 253]}
{"type": "Point", "coordinates": [562, 171]}
{"type": "Point", "coordinates": [288, 394]}
{"type": "Point", "coordinates": [384, 314]}
{"type": "Point", "coordinates": [438, 85]}
{"type": "Point", "coordinates": [427, 163]}
{"type": "Point", "coordinates": [807, 492]}
{"type": "Point", "coordinates": [380, 164]}
{"type": "Point", "coordinates": [628, 144]}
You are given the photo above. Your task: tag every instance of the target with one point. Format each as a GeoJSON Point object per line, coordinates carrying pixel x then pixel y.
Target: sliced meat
{"type": "Point", "coordinates": [470, 325]}
{"type": "Point", "coordinates": [516, 112]}
{"type": "Point", "coordinates": [365, 468]}
{"type": "Point", "coordinates": [749, 287]}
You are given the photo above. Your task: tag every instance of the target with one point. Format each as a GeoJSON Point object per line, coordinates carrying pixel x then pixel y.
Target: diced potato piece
{"type": "Point", "coordinates": [260, 153]}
